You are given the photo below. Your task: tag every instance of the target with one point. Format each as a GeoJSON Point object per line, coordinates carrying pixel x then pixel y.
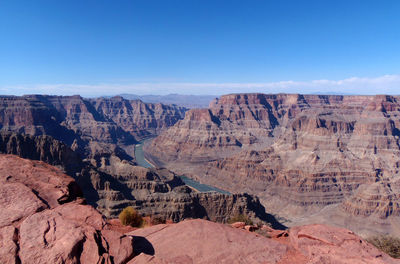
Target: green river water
{"type": "Point", "coordinates": [141, 161]}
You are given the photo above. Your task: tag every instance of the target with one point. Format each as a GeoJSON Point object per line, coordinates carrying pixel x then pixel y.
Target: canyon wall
{"type": "Point", "coordinates": [112, 184]}
{"type": "Point", "coordinates": [300, 154]}
{"type": "Point", "coordinates": [93, 127]}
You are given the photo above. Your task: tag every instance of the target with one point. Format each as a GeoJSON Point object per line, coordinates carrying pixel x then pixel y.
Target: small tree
{"type": "Point", "coordinates": [130, 216]}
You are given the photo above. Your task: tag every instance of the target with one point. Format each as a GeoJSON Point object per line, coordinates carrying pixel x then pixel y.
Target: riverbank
{"type": "Point", "coordinates": [139, 155]}
{"type": "Point", "coordinates": [143, 162]}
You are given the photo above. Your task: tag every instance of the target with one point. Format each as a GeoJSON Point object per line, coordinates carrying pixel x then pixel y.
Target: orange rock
{"type": "Point", "coordinates": [238, 225]}
{"type": "Point", "coordinates": [201, 241]}
{"type": "Point", "coordinates": [250, 228]}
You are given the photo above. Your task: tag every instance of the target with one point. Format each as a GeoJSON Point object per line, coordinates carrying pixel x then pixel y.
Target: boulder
{"type": "Point", "coordinates": [44, 221]}
{"type": "Point", "coordinates": [239, 225]}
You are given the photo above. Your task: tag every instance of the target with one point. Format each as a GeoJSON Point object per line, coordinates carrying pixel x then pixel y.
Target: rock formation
{"type": "Point", "coordinates": [138, 118]}
{"type": "Point", "coordinates": [94, 127]}
{"type": "Point", "coordinates": [43, 220]}
{"type": "Point", "coordinates": [224, 244]}
{"type": "Point", "coordinates": [112, 184]}
{"type": "Point", "coordinates": [298, 153]}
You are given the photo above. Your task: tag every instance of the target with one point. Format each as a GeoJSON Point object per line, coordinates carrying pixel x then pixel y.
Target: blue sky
{"type": "Point", "coordinates": [199, 47]}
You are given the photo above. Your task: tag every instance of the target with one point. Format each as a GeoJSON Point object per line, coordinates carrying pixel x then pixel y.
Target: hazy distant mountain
{"type": "Point", "coordinates": [189, 101]}
{"type": "Point", "coordinates": [333, 93]}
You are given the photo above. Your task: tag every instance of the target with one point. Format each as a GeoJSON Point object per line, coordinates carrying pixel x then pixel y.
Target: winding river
{"type": "Point", "coordinates": [143, 162]}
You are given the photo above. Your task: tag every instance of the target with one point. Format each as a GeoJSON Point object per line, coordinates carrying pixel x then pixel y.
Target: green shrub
{"type": "Point", "coordinates": [387, 244]}
{"type": "Point", "coordinates": [130, 216]}
{"type": "Point", "coordinates": [240, 218]}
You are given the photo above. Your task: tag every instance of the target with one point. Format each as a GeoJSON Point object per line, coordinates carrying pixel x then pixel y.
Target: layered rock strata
{"type": "Point", "coordinates": [94, 127]}
{"type": "Point", "coordinates": [299, 153]}
{"type": "Point", "coordinates": [138, 118]}
{"type": "Point", "coordinates": [111, 184]}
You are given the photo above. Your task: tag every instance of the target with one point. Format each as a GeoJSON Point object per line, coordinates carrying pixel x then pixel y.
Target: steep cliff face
{"type": "Point", "coordinates": [138, 118]}
{"type": "Point", "coordinates": [160, 193]}
{"type": "Point", "coordinates": [306, 152]}
{"type": "Point", "coordinates": [70, 119]}
{"type": "Point", "coordinates": [66, 118]}
{"type": "Point", "coordinates": [93, 127]}
{"type": "Point", "coordinates": [43, 148]}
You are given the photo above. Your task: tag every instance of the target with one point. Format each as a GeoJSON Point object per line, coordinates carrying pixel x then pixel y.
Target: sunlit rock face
{"type": "Point", "coordinates": [91, 126]}
{"type": "Point", "coordinates": [299, 153]}
{"type": "Point", "coordinates": [138, 118]}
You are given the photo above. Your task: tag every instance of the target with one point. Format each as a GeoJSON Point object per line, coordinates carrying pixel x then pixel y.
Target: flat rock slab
{"type": "Point", "coordinates": [200, 241]}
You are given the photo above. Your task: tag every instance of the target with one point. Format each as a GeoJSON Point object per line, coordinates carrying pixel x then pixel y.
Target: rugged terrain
{"type": "Point", "coordinates": [310, 158]}
{"type": "Point", "coordinates": [92, 127]}
{"type": "Point", "coordinates": [92, 140]}
{"type": "Point", "coordinates": [112, 184]}
{"type": "Point", "coordinates": [138, 118]}
{"type": "Point", "coordinates": [44, 220]}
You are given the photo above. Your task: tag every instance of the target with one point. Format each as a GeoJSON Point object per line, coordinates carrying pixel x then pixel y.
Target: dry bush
{"type": "Point", "coordinates": [130, 216]}
{"type": "Point", "coordinates": [388, 244]}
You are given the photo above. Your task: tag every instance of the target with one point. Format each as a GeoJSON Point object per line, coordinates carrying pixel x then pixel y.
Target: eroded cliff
{"type": "Point", "coordinates": [299, 153]}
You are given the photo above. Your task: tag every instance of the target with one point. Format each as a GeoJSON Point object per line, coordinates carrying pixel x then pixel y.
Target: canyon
{"type": "Point", "coordinates": [309, 158]}
{"type": "Point", "coordinates": [48, 221]}
{"type": "Point", "coordinates": [320, 165]}
{"type": "Point", "coordinates": [101, 155]}
{"type": "Point", "coordinates": [92, 127]}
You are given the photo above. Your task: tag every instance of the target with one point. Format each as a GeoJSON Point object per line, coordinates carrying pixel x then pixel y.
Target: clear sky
{"type": "Point", "coordinates": [199, 47]}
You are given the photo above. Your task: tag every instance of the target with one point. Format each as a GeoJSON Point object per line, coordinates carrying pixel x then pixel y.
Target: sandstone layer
{"type": "Point", "coordinates": [300, 154]}
{"type": "Point", "coordinates": [201, 241]}
{"type": "Point", "coordinates": [91, 126]}
{"type": "Point", "coordinates": [138, 118]}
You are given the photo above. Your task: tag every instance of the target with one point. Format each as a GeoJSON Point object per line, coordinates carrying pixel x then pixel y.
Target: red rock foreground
{"type": "Point", "coordinates": [43, 221]}
{"type": "Point", "coordinates": [200, 241]}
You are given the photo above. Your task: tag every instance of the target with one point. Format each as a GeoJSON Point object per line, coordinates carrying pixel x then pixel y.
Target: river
{"type": "Point", "coordinates": [143, 162]}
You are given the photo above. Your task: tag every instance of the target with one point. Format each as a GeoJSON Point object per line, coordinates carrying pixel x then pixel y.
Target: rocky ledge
{"type": "Point", "coordinates": [200, 241]}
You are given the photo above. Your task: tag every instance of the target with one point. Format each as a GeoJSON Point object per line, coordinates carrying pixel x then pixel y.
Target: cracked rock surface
{"type": "Point", "coordinates": [43, 220]}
